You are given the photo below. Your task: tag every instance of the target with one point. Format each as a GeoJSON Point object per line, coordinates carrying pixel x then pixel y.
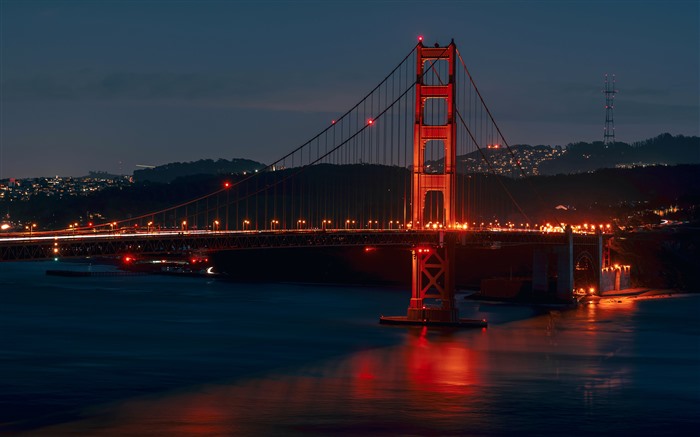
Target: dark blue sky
{"type": "Point", "coordinates": [90, 85]}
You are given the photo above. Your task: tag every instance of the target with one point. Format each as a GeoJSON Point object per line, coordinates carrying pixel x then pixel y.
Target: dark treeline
{"type": "Point", "coordinates": [611, 193]}
{"type": "Point", "coordinates": [367, 193]}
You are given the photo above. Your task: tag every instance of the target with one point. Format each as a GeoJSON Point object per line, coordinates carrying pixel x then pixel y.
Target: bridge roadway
{"type": "Point", "coordinates": [17, 247]}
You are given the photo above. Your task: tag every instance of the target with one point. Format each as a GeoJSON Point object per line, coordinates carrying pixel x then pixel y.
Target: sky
{"type": "Point", "coordinates": [108, 85]}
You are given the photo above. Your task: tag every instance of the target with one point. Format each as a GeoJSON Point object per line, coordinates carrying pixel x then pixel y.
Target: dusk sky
{"type": "Point", "coordinates": [90, 85]}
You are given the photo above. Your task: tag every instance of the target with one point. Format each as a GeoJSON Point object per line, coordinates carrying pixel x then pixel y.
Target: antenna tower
{"type": "Point", "coordinates": [609, 130]}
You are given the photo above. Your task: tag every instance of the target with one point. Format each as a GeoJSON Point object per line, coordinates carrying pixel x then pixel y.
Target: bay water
{"type": "Point", "coordinates": [182, 356]}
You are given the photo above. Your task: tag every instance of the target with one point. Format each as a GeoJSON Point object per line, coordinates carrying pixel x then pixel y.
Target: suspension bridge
{"type": "Point", "coordinates": [392, 171]}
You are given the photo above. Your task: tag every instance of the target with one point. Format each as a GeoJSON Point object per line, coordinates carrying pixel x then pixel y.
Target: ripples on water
{"type": "Point", "coordinates": [187, 356]}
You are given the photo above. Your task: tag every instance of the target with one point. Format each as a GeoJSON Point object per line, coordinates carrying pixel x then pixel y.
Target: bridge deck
{"type": "Point", "coordinates": [22, 247]}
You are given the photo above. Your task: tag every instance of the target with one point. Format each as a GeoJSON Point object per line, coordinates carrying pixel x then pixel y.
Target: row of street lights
{"type": "Point", "coordinates": [303, 224]}
{"type": "Point", "coordinates": [247, 224]}
{"type": "Point", "coordinates": [275, 224]}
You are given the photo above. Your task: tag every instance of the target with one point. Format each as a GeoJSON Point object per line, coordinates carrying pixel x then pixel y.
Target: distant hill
{"type": "Point", "coordinates": [628, 195]}
{"type": "Point", "coordinates": [664, 149]}
{"type": "Point", "coordinates": [579, 157]}
{"type": "Point", "coordinates": [169, 172]}
{"type": "Point", "coordinates": [102, 175]}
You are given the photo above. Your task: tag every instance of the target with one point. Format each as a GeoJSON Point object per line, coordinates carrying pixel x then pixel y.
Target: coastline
{"type": "Point", "coordinates": [636, 294]}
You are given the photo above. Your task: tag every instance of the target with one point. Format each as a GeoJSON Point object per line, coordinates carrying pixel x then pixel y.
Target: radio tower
{"type": "Point", "coordinates": [609, 91]}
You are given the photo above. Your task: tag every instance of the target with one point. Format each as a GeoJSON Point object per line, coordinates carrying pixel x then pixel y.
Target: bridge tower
{"type": "Point", "coordinates": [433, 283]}
{"type": "Point", "coordinates": [440, 132]}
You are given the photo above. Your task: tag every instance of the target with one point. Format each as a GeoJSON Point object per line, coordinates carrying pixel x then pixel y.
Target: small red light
{"type": "Point", "coordinates": [420, 38]}
{"type": "Point", "coordinates": [128, 259]}
{"type": "Point", "coordinates": [370, 121]}
{"type": "Point", "coordinates": [332, 121]}
{"type": "Point", "coordinates": [227, 184]}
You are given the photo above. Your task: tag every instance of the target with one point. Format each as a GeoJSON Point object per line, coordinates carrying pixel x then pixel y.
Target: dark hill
{"type": "Point", "coordinates": [380, 193]}
{"type": "Point", "coordinates": [169, 172]}
{"type": "Point", "coordinates": [664, 149]}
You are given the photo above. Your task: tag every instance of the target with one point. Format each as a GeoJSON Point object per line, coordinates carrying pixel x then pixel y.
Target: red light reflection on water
{"type": "Point", "coordinates": [443, 364]}
{"type": "Point", "coordinates": [432, 373]}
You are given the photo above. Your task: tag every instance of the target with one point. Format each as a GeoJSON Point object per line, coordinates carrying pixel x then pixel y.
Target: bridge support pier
{"type": "Point", "coordinates": [540, 271]}
{"type": "Point", "coordinates": [560, 257]}
{"type": "Point", "coordinates": [433, 289]}
{"type": "Point", "coordinates": [565, 268]}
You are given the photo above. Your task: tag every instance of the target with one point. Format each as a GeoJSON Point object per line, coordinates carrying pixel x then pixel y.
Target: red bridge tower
{"type": "Point", "coordinates": [433, 282]}
{"type": "Point", "coordinates": [442, 134]}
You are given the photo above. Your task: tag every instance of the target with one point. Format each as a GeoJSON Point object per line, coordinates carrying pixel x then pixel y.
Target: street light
{"type": "Point", "coordinates": [216, 225]}
{"type": "Point", "coordinates": [274, 224]}
{"type": "Point", "coordinates": [325, 223]}
{"type": "Point", "coordinates": [301, 223]}
{"type": "Point", "coordinates": [246, 223]}
{"type": "Point", "coordinates": [184, 225]}
{"type": "Point", "coordinates": [227, 185]}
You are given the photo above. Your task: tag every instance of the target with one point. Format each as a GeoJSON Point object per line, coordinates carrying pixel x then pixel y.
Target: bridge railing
{"type": "Point", "coordinates": [175, 242]}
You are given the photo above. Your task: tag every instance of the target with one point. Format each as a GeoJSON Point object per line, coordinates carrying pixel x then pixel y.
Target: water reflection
{"type": "Point", "coordinates": [432, 376]}
{"type": "Point", "coordinates": [538, 375]}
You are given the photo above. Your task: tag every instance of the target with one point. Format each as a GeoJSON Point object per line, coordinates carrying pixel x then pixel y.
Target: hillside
{"type": "Point", "coordinates": [365, 191]}
{"type": "Point", "coordinates": [579, 157]}
{"type": "Point", "coordinates": [169, 172]}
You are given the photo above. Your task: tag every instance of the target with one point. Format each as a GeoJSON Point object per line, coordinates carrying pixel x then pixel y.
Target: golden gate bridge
{"type": "Point", "coordinates": [385, 173]}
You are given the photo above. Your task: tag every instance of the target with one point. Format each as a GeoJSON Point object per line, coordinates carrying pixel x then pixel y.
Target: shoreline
{"type": "Point", "coordinates": [636, 294]}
